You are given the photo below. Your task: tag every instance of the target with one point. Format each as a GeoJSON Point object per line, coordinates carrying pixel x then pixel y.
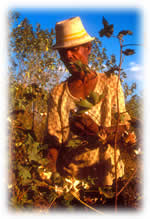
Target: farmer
{"type": "Point", "coordinates": [76, 140]}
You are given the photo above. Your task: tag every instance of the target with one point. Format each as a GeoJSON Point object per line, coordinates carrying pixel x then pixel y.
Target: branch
{"type": "Point", "coordinates": [117, 128]}
{"type": "Point", "coordinates": [99, 212]}
{"type": "Point", "coordinates": [22, 194]}
{"type": "Point", "coordinates": [131, 45]}
{"type": "Point", "coordinates": [52, 202]}
{"type": "Point", "coordinates": [127, 182]}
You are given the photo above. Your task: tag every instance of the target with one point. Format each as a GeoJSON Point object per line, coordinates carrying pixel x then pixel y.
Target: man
{"type": "Point", "coordinates": [75, 146]}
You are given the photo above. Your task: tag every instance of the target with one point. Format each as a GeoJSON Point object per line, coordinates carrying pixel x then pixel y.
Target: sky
{"type": "Point", "coordinates": [123, 19]}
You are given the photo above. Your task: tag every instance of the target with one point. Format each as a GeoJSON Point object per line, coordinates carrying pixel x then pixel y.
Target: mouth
{"type": "Point", "coordinates": [71, 66]}
{"type": "Point", "coordinates": [76, 66]}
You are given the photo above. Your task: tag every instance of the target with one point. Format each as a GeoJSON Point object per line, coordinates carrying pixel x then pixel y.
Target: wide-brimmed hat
{"type": "Point", "coordinates": [70, 33]}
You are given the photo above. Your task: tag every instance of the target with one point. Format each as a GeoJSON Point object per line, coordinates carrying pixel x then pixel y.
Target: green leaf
{"type": "Point", "coordinates": [39, 183]}
{"type": "Point", "coordinates": [74, 143]}
{"type": "Point", "coordinates": [107, 194]}
{"type": "Point", "coordinates": [52, 196]}
{"type": "Point", "coordinates": [24, 172]}
{"type": "Point", "coordinates": [113, 59]}
{"type": "Point", "coordinates": [68, 196]}
{"type": "Point", "coordinates": [43, 161]}
{"type": "Point", "coordinates": [128, 52]}
{"type": "Point", "coordinates": [94, 97]}
{"type": "Point", "coordinates": [80, 66]}
{"type": "Point", "coordinates": [108, 29]}
{"type": "Point", "coordinates": [124, 32]}
{"type": "Point", "coordinates": [80, 111]}
{"type": "Point", "coordinates": [122, 117]}
{"type": "Point", "coordinates": [84, 103]}
{"type": "Point", "coordinates": [33, 150]}
{"type": "Point", "coordinates": [105, 23]}
{"type": "Point", "coordinates": [101, 97]}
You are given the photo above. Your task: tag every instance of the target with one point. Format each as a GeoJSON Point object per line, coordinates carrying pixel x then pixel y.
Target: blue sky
{"type": "Point", "coordinates": [123, 19]}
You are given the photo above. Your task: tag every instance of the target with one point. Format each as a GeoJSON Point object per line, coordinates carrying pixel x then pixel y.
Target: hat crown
{"type": "Point", "coordinates": [71, 32]}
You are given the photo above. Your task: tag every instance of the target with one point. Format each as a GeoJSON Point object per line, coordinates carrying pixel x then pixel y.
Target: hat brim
{"type": "Point", "coordinates": [72, 44]}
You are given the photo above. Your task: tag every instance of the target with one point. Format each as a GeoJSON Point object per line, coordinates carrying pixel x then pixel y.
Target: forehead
{"type": "Point", "coordinates": [73, 48]}
{"type": "Point", "coordinates": [70, 48]}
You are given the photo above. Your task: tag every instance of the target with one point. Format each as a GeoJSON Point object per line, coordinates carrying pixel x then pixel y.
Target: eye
{"type": "Point", "coordinates": [75, 49]}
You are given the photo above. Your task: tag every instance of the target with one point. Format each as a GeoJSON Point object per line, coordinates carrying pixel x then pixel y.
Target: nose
{"type": "Point", "coordinates": [69, 54]}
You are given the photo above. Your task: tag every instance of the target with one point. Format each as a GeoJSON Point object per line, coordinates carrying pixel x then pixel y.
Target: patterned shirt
{"type": "Point", "coordinates": [61, 102]}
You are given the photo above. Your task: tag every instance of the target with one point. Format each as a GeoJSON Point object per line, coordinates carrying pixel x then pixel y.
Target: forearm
{"type": "Point", "coordinates": [52, 157]}
{"type": "Point", "coordinates": [53, 151]}
{"type": "Point", "coordinates": [53, 154]}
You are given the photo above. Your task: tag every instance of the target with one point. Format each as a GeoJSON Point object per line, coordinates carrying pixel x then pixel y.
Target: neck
{"type": "Point", "coordinates": [81, 88]}
{"type": "Point", "coordinates": [83, 77]}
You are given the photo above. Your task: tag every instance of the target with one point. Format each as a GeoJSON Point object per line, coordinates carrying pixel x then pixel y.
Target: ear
{"type": "Point", "coordinates": [89, 47]}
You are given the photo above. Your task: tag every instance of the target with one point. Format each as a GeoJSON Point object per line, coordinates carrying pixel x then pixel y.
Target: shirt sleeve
{"type": "Point", "coordinates": [54, 121]}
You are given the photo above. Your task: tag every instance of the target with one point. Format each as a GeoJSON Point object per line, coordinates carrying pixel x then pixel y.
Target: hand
{"type": "Point", "coordinates": [83, 125]}
{"type": "Point", "coordinates": [131, 138]}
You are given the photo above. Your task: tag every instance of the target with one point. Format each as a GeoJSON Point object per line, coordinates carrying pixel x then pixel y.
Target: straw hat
{"type": "Point", "coordinates": [71, 32]}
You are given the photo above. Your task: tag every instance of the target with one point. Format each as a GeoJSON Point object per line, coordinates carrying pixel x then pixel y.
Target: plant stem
{"type": "Point", "coordinates": [22, 194]}
{"type": "Point", "coordinates": [130, 178]}
{"type": "Point", "coordinates": [117, 128]}
{"type": "Point", "coordinates": [52, 202]}
{"type": "Point", "coordinates": [99, 212]}
{"type": "Point", "coordinates": [33, 109]}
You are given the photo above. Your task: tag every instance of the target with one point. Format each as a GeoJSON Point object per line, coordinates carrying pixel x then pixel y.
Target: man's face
{"type": "Point", "coordinates": [73, 54]}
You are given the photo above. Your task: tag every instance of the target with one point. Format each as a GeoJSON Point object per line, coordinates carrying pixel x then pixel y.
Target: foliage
{"type": "Point", "coordinates": [31, 55]}
{"type": "Point", "coordinates": [135, 106]}
{"type": "Point", "coordinates": [33, 70]}
{"type": "Point", "coordinates": [85, 104]}
{"type": "Point", "coordinates": [108, 29]}
{"type": "Point", "coordinates": [98, 56]}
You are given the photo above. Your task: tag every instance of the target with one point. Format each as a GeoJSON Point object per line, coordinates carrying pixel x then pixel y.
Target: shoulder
{"type": "Point", "coordinates": [56, 92]}
{"type": "Point", "coordinates": [107, 79]}
{"type": "Point", "coordinates": [57, 89]}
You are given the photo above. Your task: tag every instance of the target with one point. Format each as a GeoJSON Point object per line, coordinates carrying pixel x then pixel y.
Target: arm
{"type": "Point", "coordinates": [52, 152]}
{"type": "Point", "coordinates": [54, 135]}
